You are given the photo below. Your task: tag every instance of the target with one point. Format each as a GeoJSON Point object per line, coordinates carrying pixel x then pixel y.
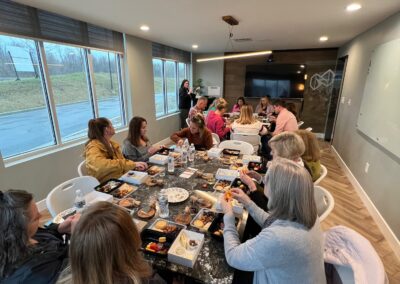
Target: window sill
{"type": "Point", "coordinates": [168, 115]}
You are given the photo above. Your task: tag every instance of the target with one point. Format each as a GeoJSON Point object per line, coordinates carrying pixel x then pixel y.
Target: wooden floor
{"type": "Point", "coordinates": [349, 211]}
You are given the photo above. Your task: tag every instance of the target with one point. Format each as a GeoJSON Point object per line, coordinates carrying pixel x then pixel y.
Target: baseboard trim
{"type": "Point", "coordinates": [376, 215]}
{"type": "Point", "coordinates": [41, 205]}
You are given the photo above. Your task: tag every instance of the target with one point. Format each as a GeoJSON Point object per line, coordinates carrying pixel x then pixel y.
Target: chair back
{"type": "Point", "coordinates": [353, 257]}
{"type": "Point", "coordinates": [216, 139]}
{"type": "Point", "coordinates": [324, 172]}
{"type": "Point", "coordinates": [62, 196]}
{"type": "Point", "coordinates": [253, 139]}
{"type": "Point", "coordinates": [82, 169]}
{"type": "Point", "coordinates": [244, 147]}
{"type": "Point", "coordinates": [324, 201]}
{"type": "Point", "coordinates": [188, 121]}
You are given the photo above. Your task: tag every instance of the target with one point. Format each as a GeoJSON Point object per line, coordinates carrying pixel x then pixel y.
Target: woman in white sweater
{"type": "Point", "coordinates": [247, 124]}
{"type": "Point", "coordinates": [289, 249]}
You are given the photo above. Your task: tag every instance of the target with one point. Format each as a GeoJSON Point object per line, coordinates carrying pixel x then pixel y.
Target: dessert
{"type": "Point", "coordinates": [123, 190]}
{"type": "Point", "coordinates": [129, 203]}
{"type": "Point", "coordinates": [161, 225]}
{"type": "Point", "coordinates": [147, 212]}
{"type": "Point", "coordinates": [198, 224]}
{"type": "Point", "coordinates": [184, 218]}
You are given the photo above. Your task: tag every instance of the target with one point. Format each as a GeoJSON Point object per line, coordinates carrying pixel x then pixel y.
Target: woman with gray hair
{"type": "Point", "coordinates": [289, 249]}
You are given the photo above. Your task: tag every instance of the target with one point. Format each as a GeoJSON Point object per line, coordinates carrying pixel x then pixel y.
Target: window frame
{"type": "Point", "coordinates": [50, 104]}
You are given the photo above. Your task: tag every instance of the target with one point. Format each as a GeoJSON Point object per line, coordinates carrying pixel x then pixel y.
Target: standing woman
{"type": "Point", "coordinates": [239, 103]}
{"type": "Point", "coordinates": [137, 146]}
{"type": "Point", "coordinates": [264, 106]}
{"type": "Point", "coordinates": [103, 156]}
{"type": "Point", "coordinates": [186, 97]}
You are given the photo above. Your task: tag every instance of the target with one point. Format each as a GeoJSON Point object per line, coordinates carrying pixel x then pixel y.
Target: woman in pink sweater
{"type": "Point", "coordinates": [239, 103]}
{"type": "Point", "coordinates": [215, 121]}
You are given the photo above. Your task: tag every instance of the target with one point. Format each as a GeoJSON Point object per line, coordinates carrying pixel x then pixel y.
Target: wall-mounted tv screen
{"type": "Point", "coordinates": [275, 80]}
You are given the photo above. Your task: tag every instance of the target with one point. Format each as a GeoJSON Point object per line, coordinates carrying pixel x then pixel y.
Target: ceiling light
{"type": "Point", "coordinates": [323, 38]}
{"type": "Point", "coordinates": [239, 55]}
{"type": "Point", "coordinates": [305, 76]}
{"type": "Point", "coordinates": [302, 66]}
{"type": "Point", "coordinates": [353, 7]}
{"type": "Point", "coordinates": [195, 46]}
{"type": "Point", "coordinates": [144, 28]}
{"type": "Point", "coordinates": [298, 72]}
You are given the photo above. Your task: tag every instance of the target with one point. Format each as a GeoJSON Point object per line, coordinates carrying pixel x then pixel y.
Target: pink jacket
{"type": "Point", "coordinates": [216, 124]}
{"type": "Point", "coordinates": [236, 108]}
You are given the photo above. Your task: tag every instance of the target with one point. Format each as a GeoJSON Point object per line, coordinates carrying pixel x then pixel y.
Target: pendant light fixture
{"type": "Point", "coordinates": [233, 22]}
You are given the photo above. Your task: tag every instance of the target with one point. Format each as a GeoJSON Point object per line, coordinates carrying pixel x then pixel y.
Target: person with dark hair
{"type": "Point", "coordinates": [104, 159]}
{"type": "Point", "coordinates": [137, 146]}
{"type": "Point", "coordinates": [286, 121]}
{"type": "Point", "coordinates": [239, 103]}
{"type": "Point", "coordinates": [186, 96]}
{"type": "Point", "coordinates": [29, 254]}
{"type": "Point", "coordinates": [292, 108]}
{"type": "Point", "coordinates": [197, 133]}
{"type": "Point", "coordinates": [105, 248]}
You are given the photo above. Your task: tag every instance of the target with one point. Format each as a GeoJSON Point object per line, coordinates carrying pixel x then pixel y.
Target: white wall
{"type": "Point", "coordinates": [212, 72]}
{"type": "Point", "coordinates": [39, 175]}
{"type": "Point", "coordinates": [382, 182]}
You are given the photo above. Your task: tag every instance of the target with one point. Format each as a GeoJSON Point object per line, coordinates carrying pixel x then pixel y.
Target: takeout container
{"type": "Point", "coordinates": [149, 236]}
{"type": "Point", "coordinates": [214, 152]}
{"type": "Point", "coordinates": [257, 167]}
{"type": "Point", "coordinates": [237, 207]}
{"type": "Point", "coordinates": [216, 226]}
{"type": "Point", "coordinates": [251, 158]}
{"type": "Point", "coordinates": [217, 185]}
{"type": "Point", "coordinates": [225, 174]}
{"type": "Point", "coordinates": [239, 184]}
{"type": "Point", "coordinates": [199, 215]}
{"type": "Point", "coordinates": [186, 257]}
{"type": "Point", "coordinates": [159, 159]}
{"type": "Point", "coordinates": [134, 177]}
{"type": "Point", "coordinates": [109, 185]}
{"type": "Point", "coordinates": [231, 152]}
{"type": "Point", "coordinates": [173, 234]}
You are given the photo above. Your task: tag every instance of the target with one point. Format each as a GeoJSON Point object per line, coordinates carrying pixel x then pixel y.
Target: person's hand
{"type": "Point", "coordinates": [154, 149]}
{"type": "Point", "coordinates": [240, 196]}
{"type": "Point", "coordinates": [246, 179]}
{"type": "Point", "coordinates": [190, 90]}
{"type": "Point", "coordinates": [255, 175]}
{"type": "Point", "coordinates": [225, 205]}
{"type": "Point", "coordinates": [69, 224]}
{"type": "Point", "coordinates": [180, 142]}
{"type": "Point", "coordinates": [141, 166]}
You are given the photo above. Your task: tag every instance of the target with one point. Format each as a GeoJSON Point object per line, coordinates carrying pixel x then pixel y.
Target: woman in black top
{"type": "Point", "coordinates": [185, 101]}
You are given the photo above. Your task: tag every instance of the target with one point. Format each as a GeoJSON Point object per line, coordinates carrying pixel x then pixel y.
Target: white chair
{"type": "Point", "coordinates": [324, 172]}
{"type": "Point", "coordinates": [300, 123]}
{"type": "Point", "coordinates": [324, 201]}
{"type": "Point", "coordinates": [253, 139]}
{"type": "Point", "coordinates": [308, 129]}
{"type": "Point", "coordinates": [62, 196]}
{"type": "Point", "coordinates": [82, 169]}
{"type": "Point", "coordinates": [188, 121]}
{"type": "Point", "coordinates": [216, 139]}
{"type": "Point", "coordinates": [353, 257]}
{"type": "Point", "coordinates": [244, 147]}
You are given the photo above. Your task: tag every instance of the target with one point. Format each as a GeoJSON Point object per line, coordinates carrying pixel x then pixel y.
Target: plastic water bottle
{"type": "Point", "coordinates": [186, 144]}
{"type": "Point", "coordinates": [184, 157]}
{"type": "Point", "coordinates": [178, 149]}
{"type": "Point", "coordinates": [192, 152]}
{"type": "Point", "coordinates": [163, 205]}
{"type": "Point", "coordinates": [171, 164]}
{"type": "Point", "coordinates": [79, 202]}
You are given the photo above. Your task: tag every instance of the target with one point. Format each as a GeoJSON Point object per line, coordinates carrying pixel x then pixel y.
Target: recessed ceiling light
{"type": "Point", "coordinates": [302, 66]}
{"type": "Point", "coordinates": [353, 7]}
{"type": "Point", "coordinates": [323, 38]}
{"type": "Point", "coordinates": [298, 72]}
{"type": "Point", "coordinates": [145, 28]}
{"type": "Point", "coordinates": [195, 46]}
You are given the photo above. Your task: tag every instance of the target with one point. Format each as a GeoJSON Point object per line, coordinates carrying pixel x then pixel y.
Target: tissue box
{"type": "Point", "coordinates": [214, 152]}
{"type": "Point", "coordinates": [158, 159]}
{"type": "Point", "coordinates": [186, 257]}
{"type": "Point", "coordinates": [226, 174]}
{"type": "Point", "coordinates": [134, 177]}
{"type": "Point", "coordinates": [251, 158]}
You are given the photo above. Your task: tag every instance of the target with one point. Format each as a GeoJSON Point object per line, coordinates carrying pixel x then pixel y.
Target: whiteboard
{"type": "Point", "coordinates": [214, 91]}
{"type": "Point", "coordinates": [379, 116]}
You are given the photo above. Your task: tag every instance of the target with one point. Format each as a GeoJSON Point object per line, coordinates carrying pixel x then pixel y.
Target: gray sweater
{"type": "Point", "coordinates": [284, 252]}
{"type": "Point", "coordinates": [137, 154]}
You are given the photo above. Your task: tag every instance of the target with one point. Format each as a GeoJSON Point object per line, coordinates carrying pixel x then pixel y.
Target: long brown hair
{"type": "Point", "coordinates": [96, 128]}
{"type": "Point", "coordinates": [246, 115]}
{"type": "Point", "coordinates": [105, 247]}
{"type": "Point", "coordinates": [312, 151]}
{"type": "Point", "coordinates": [198, 119]}
{"type": "Point", "coordinates": [134, 135]}
{"type": "Point", "coordinates": [291, 193]}
{"type": "Point", "coordinates": [14, 219]}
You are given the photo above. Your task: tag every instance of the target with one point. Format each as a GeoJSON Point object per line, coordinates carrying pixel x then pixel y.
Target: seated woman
{"type": "Point", "coordinates": [213, 105]}
{"type": "Point", "coordinates": [103, 156]}
{"type": "Point", "coordinates": [29, 254]}
{"type": "Point", "coordinates": [105, 248]}
{"type": "Point", "coordinates": [289, 249]}
{"type": "Point", "coordinates": [239, 103]}
{"type": "Point", "coordinates": [197, 133]}
{"type": "Point", "coordinates": [247, 124]}
{"type": "Point", "coordinates": [137, 146]}
{"type": "Point", "coordinates": [312, 154]}
{"type": "Point", "coordinates": [287, 145]}
{"type": "Point", "coordinates": [265, 107]}
{"type": "Point", "coordinates": [216, 122]}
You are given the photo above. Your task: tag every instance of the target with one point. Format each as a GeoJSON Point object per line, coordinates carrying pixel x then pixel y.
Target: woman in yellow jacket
{"type": "Point", "coordinates": [103, 156]}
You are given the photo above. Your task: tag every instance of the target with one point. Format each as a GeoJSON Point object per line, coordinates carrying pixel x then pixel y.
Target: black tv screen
{"type": "Point", "coordinates": [275, 81]}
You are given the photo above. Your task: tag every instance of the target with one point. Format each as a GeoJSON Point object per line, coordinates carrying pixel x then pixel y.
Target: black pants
{"type": "Point", "coordinates": [184, 113]}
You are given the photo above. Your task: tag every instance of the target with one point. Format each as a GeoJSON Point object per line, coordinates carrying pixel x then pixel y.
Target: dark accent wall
{"type": "Point", "coordinates": [317, 62]}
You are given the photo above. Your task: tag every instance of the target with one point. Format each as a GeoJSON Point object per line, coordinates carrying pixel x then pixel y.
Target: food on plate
{"type": "Point", "coordinates": [153, 182]}
{"type": "Point", "coordinates": [204, 185]}
{"type": "Point", "coordinates": [206, 158]}
{"type": "Point", "coordinates": [153, 170]}
{"type": "Point", "coordinates": [129, 202]}
{"type": "Point", "coordinates": [109, 186]}
{"type": "Point", "coordinates": [175, 155]}
{"type": "Point", "coordinates": [228, 195]}
{"type": "Point", "coordinates": [193, 244]}
{"type": "Point", "coordinates": [204, 220]}
{"type": "Point", "coordinates": [162, 239]}
{"type": "Point", "coordinates": [201, 202]}
{"type": "Point", "coordinates": [222, 185]}
{"type": "Point", "coordinates": [184, 218]}
{"type": "Point", "coordinates": [147, 212]}
{"type": "Point", "coordinates": [183, 240]}
{"type": "Point", "coordinates": [160, 248]}
{"type": "Point", "coordinates": [198, 223]}
{"type": "Point", "coordinates": [161, 225]}
{"type": "Point", "coordinates": [123, 190]}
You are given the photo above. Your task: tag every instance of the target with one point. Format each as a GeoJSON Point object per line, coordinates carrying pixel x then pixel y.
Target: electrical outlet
{"type": "Point", "coordinates": [342, 100]}
{"type": "Point", "coordinates": [366, 167]}
{"type": "Point", "coordinates": [349, 102]}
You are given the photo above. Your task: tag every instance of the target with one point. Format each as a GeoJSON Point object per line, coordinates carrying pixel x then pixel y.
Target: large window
{"type": "Point", "coordinates": [168, 76]}
{"type": "Point", "coordinates": [49, 91]}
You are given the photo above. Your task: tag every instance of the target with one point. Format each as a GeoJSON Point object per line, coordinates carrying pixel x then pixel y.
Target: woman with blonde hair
{"type": "Point", "coordinates": [289, 248]}
{"type": "Point", "coordinates": [312, 154]}
{"type": "Point", "coordinates": [287, 145]}
{"type": "Point", "coordinates": [264, 107]}
{"type": "Point", "coordinates": [105, 248]}
{"type": "Point", "coordinates": [216, 122]}
{"type": "Point", "coordinates": [247, 124]}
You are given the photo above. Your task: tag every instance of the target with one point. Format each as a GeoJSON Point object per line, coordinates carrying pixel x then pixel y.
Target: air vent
{"type": "Point", "coordinates": [246, 39]}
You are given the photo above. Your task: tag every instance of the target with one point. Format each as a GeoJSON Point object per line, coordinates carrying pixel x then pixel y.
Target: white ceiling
{"type": "Point", "coordinates": [272, 24]}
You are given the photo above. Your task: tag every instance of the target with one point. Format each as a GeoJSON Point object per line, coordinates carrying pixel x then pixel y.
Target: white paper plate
{"type": "Point", "coordinates": [176, 194]}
